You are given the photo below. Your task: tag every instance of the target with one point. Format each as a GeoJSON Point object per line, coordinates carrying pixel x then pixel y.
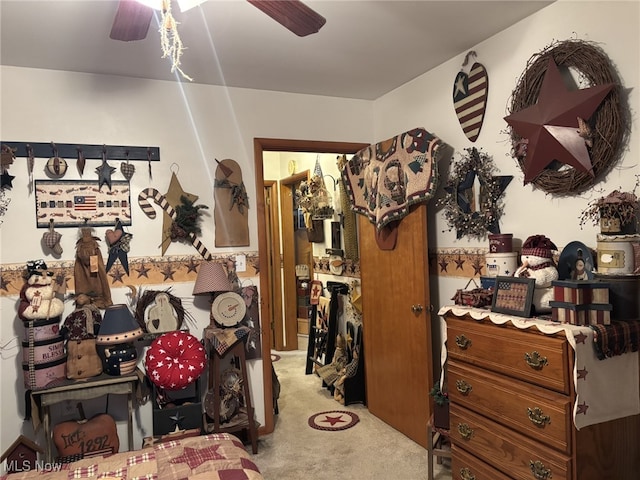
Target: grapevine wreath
{"type": "Point", "coordinates": [607, 129]}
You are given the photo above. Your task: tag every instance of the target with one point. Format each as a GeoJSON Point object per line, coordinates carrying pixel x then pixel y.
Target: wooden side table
{"type": "Point", "coordinates": [222, 344]}
{"type": "Point", "coordinates": [85, 390]}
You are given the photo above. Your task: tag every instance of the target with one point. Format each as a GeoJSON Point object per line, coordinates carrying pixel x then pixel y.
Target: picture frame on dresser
{"type": "Point", "coordinates": [513, 296]}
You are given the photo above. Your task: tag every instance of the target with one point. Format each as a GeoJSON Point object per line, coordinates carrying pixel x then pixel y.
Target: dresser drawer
{"type": "Point", "coordinates": [465, 466]}
{"type": "Point", "coordinates": [523, 354]}
{"type": "Point", "coordinates": [506, 450]}
{"type": "Point", "coordinates": [534, 411]}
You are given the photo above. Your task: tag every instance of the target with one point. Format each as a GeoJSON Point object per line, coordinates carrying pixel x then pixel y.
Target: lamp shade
{"type": "Point", "coordinates": [118, 326]}
{"type": "Point", "coordinates": [211, 278]}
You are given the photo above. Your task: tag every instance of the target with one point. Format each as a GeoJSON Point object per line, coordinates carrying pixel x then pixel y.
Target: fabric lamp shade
{"type": "Point", "coordinates": [211, 278]}
{"type": "Point", "coordinates": [118, 326]}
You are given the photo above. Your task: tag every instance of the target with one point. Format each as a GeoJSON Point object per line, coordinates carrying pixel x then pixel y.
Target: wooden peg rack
{"type": "Point", "coordinates": [70, 150]}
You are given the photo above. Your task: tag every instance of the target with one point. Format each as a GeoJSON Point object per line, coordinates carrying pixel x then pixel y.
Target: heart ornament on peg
{"type": "Point", "coordinates": [470, 91]}
{"type": "Point", "coordinates": [51, 239]}
{"type": "Point", "coordinates": [127, 169]}
{"type": "Point", "coordinates": [113, 236]}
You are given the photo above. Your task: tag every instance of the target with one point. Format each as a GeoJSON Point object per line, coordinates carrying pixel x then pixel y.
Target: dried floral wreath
{"type": "Point", "coordinates": [605, 133]}
{"type": "Point", "coordinates": [459, 198]}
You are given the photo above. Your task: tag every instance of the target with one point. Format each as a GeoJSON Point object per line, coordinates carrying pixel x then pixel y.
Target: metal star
{"type": "Point", "coordinates": [143, 271]}
{"type": "Point", "coordinates": [477, 267]}
{"type": "Point", "coordinates": [117, 275]}
{"type": "Point", "coordinates": [459, 263]}
{"type": "Point", "coordinates": [551, 125]}
{"type": "Point", "coordinates": [6, 180]}
{"type": "Point", "coordinates": [443, 265]}
{"type": "Point", "coordinates": [4, 284]}
{"type": "Point", "coordinates": [168, 272]}
{"type": "Point", "coordinates": [104, 172]}
{"type": "Point", "coordinates": [191, 266]}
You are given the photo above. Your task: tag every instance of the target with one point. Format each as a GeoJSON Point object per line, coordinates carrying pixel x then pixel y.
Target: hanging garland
{"type": "Point", "coordinates": [459, 197]}
{"type": "Point", "coordinates": [605, 133]}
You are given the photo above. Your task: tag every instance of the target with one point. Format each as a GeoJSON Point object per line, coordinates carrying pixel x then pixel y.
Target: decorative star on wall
{"type": "Point", "coordinates": [551, 125]}
{"type": "Point", "coordinates": [104, 172]}
{"type": "Point", "coordinates": [6, 180]}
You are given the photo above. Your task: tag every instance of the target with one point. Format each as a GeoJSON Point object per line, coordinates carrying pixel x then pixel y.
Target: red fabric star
{"type": "Point", "coordinates": [551, 124]}
{"type": "Point", "coordinates": [580, 337]}
{"type": "Point", "coordinates": [582, 408]}
{"type": "Point", "coordinates": [195, 457]}
{"type": "Point", "coordinates": [333, 420]}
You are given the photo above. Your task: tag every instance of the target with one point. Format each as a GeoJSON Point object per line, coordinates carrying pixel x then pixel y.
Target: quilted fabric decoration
{"type": "Point", "coordinates": [470, 91]}
{"type": "Point", "coordinates": [385, 179]}
{"type": "Point", "coordinates": [175, 360]}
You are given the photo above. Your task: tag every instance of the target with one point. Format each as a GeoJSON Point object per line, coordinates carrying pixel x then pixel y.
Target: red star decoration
{"type": "Point", "coordinates": [582, 408]}
{"type": "Point", "coordinates": [195, 457]}
{"type": "Point", "coordinates": [580, 337]}
{"type": "Point", "coordinates": [551, 124]}
{"type": "Point", "coordinates": [443, 265]}
{"type": "Point", "coordinates": [582, 373]}
{"type": "Point", "coordinates": [143, 271]}
{"type": "Point", "coordinates": [333, 420]}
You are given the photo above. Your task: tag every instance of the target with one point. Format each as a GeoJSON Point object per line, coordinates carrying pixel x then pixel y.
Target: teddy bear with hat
{"type": "Point", "coordinates": [536, 261]}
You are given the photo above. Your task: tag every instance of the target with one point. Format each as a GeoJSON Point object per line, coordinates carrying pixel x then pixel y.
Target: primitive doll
{"type": "Point", "coordinates": [90, 276]}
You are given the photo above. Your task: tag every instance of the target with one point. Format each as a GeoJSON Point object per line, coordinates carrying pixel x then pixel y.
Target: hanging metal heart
{"type": "Point", "coordinates": [470, 91]}
{"type": "Point", "coordinates": [127, 170]}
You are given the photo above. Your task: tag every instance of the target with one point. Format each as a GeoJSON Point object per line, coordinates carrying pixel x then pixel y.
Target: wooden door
{"type": "Point", "coordinates": [397, 336]}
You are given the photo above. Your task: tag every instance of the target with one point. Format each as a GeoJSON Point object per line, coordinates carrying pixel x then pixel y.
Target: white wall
{"type": "Point", "coordinates": [192, 124]}
{"type": "Point", "coordinates": [427, 101]}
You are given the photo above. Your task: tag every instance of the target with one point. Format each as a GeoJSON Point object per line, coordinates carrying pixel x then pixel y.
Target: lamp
{"type": "Point", "coordinates": [212, 278]}
{"type": "Point", "coordinates": [117, 332]}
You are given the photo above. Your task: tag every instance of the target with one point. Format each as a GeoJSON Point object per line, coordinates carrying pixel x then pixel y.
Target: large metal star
{"type": "Point", "coordinates": [551, 124]}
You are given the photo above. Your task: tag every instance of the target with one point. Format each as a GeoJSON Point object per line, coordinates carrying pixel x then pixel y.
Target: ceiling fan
{"type": "Point", "coordinates": [133, 18]}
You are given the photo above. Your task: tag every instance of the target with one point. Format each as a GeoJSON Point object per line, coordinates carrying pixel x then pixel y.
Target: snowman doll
{"type": "Point", "coordinates": [536, 261]}
{"type": "Point", "coordinates": [38, 296]}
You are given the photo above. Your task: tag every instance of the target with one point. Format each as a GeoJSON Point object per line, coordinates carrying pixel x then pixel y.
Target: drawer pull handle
{"type": "Point", "coordinates": [537, 417]}
{"type": "Point", "coordinates": [465, 474]}
{"type": "Point", "coordinates": [463, 387]}
{"type": "Point", "coordinates": [463, 342]}
{"type": "Point", "coordinates": [535, 360]}
{"type": "Point", "coordinates": [465, 431]}
{"type": "Point", "coordinates": [539, 471]}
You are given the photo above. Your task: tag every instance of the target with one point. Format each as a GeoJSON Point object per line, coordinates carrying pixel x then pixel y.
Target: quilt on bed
{"type": "Point", "coordinates": [217, 456]}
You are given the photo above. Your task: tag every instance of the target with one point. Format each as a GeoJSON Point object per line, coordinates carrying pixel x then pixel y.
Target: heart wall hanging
{"type": "Point", "coordinates": [470, 91]}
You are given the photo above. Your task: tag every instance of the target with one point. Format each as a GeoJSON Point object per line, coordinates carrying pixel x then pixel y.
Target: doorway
{"type": "Point", "coordinates": [267, 264]}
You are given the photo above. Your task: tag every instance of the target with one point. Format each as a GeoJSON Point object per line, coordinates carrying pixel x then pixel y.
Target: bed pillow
{"type": "Point", "coordinates": [175, 360]}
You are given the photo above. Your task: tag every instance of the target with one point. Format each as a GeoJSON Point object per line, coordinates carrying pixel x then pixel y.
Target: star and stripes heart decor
{"type": "Point", "coordinates": [470, 91]}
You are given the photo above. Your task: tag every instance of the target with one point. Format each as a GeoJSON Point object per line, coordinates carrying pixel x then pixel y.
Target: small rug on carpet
{"type": "Point", "coordinates": [333, 420]}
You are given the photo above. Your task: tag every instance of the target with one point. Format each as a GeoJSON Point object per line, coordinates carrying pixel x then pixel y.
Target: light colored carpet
{"type": "Point", "coordinates": [370, 450]}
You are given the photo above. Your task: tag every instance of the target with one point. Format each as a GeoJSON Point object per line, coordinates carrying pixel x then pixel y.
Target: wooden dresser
{"type": "Point", "coordinates": [512, 397]}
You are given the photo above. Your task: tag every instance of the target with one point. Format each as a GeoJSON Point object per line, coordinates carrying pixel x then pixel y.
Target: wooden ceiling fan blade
{"type": "Point", "coordinates": [131, 22]}
{"type": "Point", "coordinates": [292, 14]}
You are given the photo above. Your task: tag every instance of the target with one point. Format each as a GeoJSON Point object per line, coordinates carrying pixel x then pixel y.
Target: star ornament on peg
{"type": "Point", "coordinates": [555, 125]}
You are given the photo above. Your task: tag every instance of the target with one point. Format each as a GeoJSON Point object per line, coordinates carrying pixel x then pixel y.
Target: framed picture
{"type": "Point", "coordinates": [75, 203]}
{"type": "Point", "coordinates": [513, 295]}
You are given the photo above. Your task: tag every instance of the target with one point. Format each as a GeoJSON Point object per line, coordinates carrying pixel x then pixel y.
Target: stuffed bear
{"type": "Point", "coordinates": [536, 261]}
{"type": "Point", "coordinates": [38, 299]}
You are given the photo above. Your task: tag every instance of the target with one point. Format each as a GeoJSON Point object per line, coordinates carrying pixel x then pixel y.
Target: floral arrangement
{"type": "Point", "coordinates": [623, 206]}
{"type": "Point", "coordinates": [439, 397]}
{"type": "Point", "coordinates": [314, 200]}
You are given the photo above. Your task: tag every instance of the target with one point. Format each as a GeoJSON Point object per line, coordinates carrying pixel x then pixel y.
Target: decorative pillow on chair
{"type": "Point", "coordinates": [175, 360]}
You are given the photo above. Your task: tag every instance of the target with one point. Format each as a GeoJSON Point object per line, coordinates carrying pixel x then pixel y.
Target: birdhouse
{"type": "Point", "coordinates": [22, 455]}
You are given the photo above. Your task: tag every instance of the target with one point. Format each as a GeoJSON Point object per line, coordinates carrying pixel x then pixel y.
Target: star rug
{"type": "Point", "coordinates": [333, 420]}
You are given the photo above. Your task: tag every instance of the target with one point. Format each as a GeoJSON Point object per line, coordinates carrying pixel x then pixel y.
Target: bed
{"type": "Point", "coordinates": [217, 456]}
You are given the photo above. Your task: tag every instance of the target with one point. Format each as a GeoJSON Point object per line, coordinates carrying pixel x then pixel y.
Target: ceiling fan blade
{"type": "Point", "coordinates": [131, 22]}
{"type": "Point", "coordinates": [292, 14]}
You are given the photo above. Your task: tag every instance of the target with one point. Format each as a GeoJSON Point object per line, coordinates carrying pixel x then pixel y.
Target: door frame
{"type": "Point", "coordinates": [261, 145]}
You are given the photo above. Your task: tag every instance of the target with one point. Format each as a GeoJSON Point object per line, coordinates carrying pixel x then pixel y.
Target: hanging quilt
{"type": "Point", "coordinates": [385, 179]}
